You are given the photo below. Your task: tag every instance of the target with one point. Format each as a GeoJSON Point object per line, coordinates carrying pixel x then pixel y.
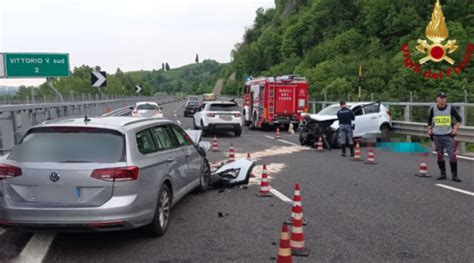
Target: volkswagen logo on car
{"type": "Point", "coordinates": [54, 177]}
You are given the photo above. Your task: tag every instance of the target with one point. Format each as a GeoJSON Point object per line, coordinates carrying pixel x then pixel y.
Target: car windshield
{"type": "Point", "coordinates": [147, 107]}
{"type": "Point", "coordinates": [224, 107]}
{"type": "Point", "coordinates": [331, 110]}
{"type": "Point", "coordinates": [71, 144]}
{"type": "Point", "coordinates": [192, 104]}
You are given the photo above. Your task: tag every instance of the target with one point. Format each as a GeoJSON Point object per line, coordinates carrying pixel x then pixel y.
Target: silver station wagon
{"type": "Point", "coordinates": [105, 173]}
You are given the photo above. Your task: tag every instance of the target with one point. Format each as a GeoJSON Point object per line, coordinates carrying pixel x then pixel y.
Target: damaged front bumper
{"type": "Point", "coordinates": [234, 173]}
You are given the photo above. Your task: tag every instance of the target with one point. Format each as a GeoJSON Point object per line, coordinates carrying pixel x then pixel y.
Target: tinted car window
{"type": "Point", "coordinates": [147, 107]}
{"type": "Point", "coordinates": [164, 141]}
{"type": "Point", "coordinates": [181, 136]}
{"type": "Point", "coordinates": [70, 144]}
{"type": "Point", "coordinates": [372, 108]}
{"type": "Point", "coordinates": [224, 107]}
{"type": "Point", "coordinates": [145, 142]}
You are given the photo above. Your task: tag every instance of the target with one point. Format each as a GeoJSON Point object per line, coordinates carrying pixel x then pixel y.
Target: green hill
{"type": "Point", "coordinates": [195, 78]}
{"type": "Point", "coordinates": [327, 40]}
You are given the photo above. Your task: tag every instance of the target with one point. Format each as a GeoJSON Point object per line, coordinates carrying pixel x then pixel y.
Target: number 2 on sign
{"type": "Point", "coordinates": [37, 70]}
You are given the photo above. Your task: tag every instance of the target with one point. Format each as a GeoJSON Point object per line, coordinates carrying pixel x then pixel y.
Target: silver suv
{"type": "Point", "coordinates": [108, 173]}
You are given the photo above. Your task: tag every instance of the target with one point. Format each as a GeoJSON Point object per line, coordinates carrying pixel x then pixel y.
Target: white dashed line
{"type": "Point", "coordinates": [36, 249]}
{"type": "Point", "coordinates": [282, 197]}
{"type": "Point", "coordinates": [179, 122]}
{"type": "Point", "coordinates": [280, 140]}
{"type": "Point", "coordinates": [455, 189]}
{"type": "Point", "coordinates": [175, 115]}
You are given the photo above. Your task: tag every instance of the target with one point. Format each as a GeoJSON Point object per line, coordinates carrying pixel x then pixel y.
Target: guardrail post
{"type": "Point", "coordinates": [314, 107]}
{"type": "Point", "coordinates": [407, 115]}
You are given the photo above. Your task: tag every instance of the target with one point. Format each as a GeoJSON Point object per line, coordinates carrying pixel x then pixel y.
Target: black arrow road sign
{"type": "Point", "coordinates": [98, 79]}
{"type": "Point", "coordinates": [138, 88]}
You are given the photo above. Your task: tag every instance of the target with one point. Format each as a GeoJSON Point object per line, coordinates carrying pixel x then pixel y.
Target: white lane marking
{"type": "Point", "coordinates": [2, 231]}
{"type": "Point", "coordinates": [287, 142]}
{"type": "Point", "coordinates": [280, 140]}
{"type": "Point", "coordinates": [455, 189]}
{"type": "Point", "coordinates": [179, 122]}
{"type": "Point", "coordinates": [458, 156]}
{"type": "Point", "coordinates": [36, 249]}
{"type": "Point", "coordinates": [282, 197]}
{"type": "Point", "coordinates": [175, 115]}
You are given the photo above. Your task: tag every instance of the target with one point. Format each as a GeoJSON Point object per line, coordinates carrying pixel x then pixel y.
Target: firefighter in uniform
{"type": "Point", "coordinates": [442, 130]}
{"type": "Point", "coordinates": [345, 117]}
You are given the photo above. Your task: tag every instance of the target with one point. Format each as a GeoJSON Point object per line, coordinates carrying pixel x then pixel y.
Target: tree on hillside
{"type": "Point", "coordinates": [197, 58]}
{"type": "Point", "coordinates": [167, 66]}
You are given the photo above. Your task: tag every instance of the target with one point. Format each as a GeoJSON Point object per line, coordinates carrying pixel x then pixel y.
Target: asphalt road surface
{"type": "Point", "coordinates": [355, 212]}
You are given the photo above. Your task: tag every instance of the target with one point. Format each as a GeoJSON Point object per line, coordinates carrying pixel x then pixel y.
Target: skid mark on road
{"type": "Point", "coordinates": [455, 189]}
{"type": "Point", "coordinates": [36, 249]}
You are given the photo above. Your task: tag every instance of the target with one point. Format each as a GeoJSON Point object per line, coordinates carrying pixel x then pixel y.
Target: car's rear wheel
{"type": "Point", "coordinates": [238, 131]}
{"type": "Point", "coordinates": [159, 225]}
{"type": "Point", "coordinates": [303, 139]}
{"type": "Point", "coordinates": [204, 129]}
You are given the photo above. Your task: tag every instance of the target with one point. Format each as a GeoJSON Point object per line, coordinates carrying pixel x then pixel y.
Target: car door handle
{"type": "Point", "coordinates": [170, 159]}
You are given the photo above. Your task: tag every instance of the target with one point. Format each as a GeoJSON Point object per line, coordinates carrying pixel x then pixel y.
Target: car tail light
{"type": "Point", "coordinates": [9, 171]}
{"type": "Point", "coordinates": [237, 115]}
{"type": "Point", "coordinates": [121, 174]}
{"type": "Point", "coordinates": [212, 115]}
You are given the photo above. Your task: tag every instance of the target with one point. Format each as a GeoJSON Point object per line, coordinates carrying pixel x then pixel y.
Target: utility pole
{"type": "Point", "coordinates": [360, 81]}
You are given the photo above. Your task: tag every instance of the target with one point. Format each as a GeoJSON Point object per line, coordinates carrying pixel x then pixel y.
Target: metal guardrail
{"type": "Point", "coordinates": [465, 134]}
{"type": "Point", "coordinates": [15, 120]}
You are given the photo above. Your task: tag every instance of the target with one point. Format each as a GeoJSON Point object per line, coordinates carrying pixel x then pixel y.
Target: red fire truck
{"type": "Point", "coordinates": [275, 101]}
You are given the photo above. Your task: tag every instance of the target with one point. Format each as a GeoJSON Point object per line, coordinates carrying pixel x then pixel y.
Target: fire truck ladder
{"type": "Point", "coordinates": [271, 100]}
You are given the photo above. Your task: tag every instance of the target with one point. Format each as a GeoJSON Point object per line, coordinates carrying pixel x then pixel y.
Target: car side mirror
{"type": "Point", "coordinates": [203, 148]}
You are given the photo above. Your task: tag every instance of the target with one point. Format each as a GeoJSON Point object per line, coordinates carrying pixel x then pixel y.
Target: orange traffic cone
{"type": "Point", "coordinates": [277, 135]}
{"type": "Point", "coordinates": [284, 251]}
{"type": "Point", "coordinates": [357, 153]}
{"type": "Point", "coordinates": [215, 145]}
{"type": "Point", "coordinates": [423, 172]}
{"type": "Point", "coordinates": [296, 202]}
{"type": "Point", "coordinates": [297, 236]}
{"type": "Point", "coordinates": [264, 184]}
{"type": "Point", "coordinates": [319, 145]}
{"type": "Point", "coordinates": [371, 157]}
{"type": "Point", "coordinates": [231, 153]}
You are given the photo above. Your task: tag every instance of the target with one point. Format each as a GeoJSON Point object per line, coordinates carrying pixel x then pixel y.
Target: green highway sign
{"type": "Point", "coordinates": [36, 65]}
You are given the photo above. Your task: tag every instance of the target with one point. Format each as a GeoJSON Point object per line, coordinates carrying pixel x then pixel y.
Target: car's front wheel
{"type": "Point", "coordinates": [205, 176]}
{"type": "Point", "coordinates": [159, 225]}
{"type": "Point", "coordinates": [334, 139]}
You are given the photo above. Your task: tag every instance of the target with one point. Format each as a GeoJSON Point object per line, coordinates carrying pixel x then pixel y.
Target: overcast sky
{"type": "Point", "coordinates": [129, 34]}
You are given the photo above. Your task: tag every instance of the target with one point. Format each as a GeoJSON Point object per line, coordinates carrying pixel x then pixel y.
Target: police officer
{"type": "Point", "coordinates": [345, 117]}
{"type": "Point", "coordinates": [442, 129]}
